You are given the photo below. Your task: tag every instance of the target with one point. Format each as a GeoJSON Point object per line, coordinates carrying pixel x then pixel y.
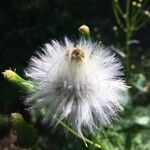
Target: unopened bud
{"type": "Point", "coordinates": [16, 117]}
{"type": "Point", "coordinates": [16, 79]}
{"type": "Point", "coordinates": [26, 134]}
{"type": "Point", "coordinates": [84, 31]}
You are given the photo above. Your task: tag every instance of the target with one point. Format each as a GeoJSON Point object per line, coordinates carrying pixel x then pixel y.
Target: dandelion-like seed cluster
{"type": "Point", "coordinates": [80, 82]}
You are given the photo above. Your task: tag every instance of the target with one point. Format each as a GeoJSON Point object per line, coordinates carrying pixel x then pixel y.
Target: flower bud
{"type": "Point", "coordinates": [84, 31]}
{"type": "Point", "coordinates": [13, 77]}
{"type": "Point", "coordinates": [26, 134]}
{"type": "Point", "coordinates": [16, 118]}
{"type": "Point", "coordinates": [115, 28]}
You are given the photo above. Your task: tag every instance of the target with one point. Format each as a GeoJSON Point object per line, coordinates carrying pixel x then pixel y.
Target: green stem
{"type": "Point", "coordinates": [128, 32]}
{"type": "Point", "coordinates": [79, 136]}
{"type": "Point", "coordinates": [128, 141]}
{"type": "Point", "coordinates": [143, 22]}
{"type": "Point", "coordinates": [127, 9]}
{"type": "Point", "coordinates": [119, 9]}
{"type": "Point", "coordinates": [127, 61]}
{"type": "Point", "coordinates": [117, 16]}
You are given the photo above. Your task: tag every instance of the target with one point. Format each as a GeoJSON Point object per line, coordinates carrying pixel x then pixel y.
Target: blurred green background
{"type": "Point", "coordinates": [25, 25]}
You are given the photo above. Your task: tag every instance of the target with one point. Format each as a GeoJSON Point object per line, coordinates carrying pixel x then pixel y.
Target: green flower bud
{"type": "Point", "coordinates": [26, 134]}
{"type": "Point", "coordinates": [13, 77]}
{"type": "Point", "coordinates": [84, 31]}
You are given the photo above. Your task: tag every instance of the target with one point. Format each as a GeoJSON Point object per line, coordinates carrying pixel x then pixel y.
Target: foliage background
{"type": "Point", "coordinates": [26, 25]}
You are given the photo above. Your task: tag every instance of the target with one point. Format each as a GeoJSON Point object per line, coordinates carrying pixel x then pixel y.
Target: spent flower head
{"type": "Point", "coordinates": [79, 81]}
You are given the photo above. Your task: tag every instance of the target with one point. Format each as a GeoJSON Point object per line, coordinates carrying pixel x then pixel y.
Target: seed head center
{"type": "Point", "coordinates": [77, 54]}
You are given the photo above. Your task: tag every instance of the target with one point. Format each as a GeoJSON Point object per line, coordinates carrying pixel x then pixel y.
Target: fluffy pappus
{"type": "Point", "coordinates": [81, 83]}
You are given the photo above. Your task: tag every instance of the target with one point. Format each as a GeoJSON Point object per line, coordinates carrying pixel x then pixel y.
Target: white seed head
{"type": "Point", "coordinates": [80, 82]}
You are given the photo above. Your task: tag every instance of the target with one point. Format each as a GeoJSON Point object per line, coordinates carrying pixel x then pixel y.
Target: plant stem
{"type": "Point", "coordinates": [117, 16]}
{"type": "Point", "coordinates": [128, 32]}
{"type": "Point", "coordinates": [79, 136]}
